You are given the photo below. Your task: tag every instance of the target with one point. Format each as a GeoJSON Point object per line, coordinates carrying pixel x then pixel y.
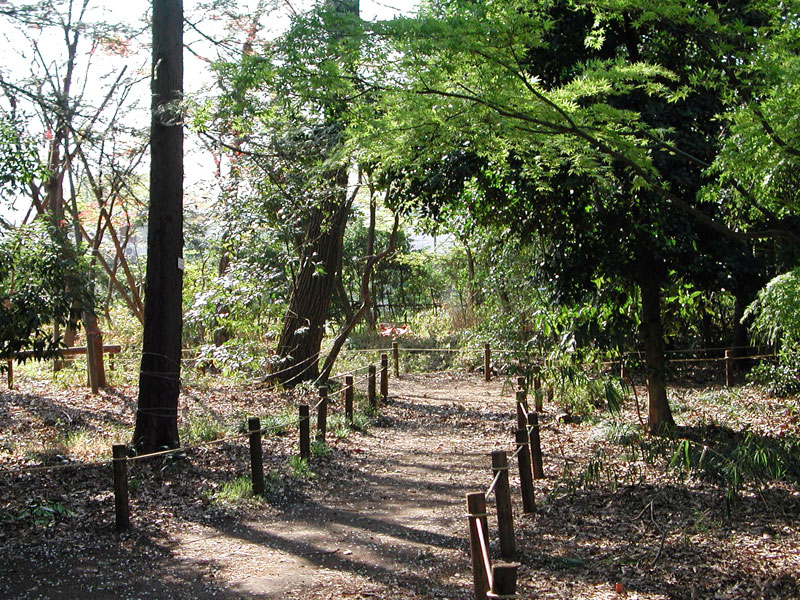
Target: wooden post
{"type": "Point", "coordinates": [348, 398]}
{"type": "Point", "coordinates": [396, 358]}
{"type": "Point", "coordinates": [623, 370]}
{"type": "Point", "coordinates": [479, 549]}
{"type": "Point", "coordinates": [537, 393]}
{"type": "Point", "coordinates": [305, 432]}
{"type": "Point", "coordinates": [384, 378]}
{"type": "Point", "coordinates": [522, 385]}
{"type": "Point", "coordinates": [525, 473]}
{"type": "Point", "coordinates": [535, 445]}
{"type": "Point", "coordinates": [502, 496]}
{"type": "Point", "coordinates": [728, 368]}
{"type": "Point", "coordinates": [10, 374]}
{"type": "Point", "coordinates": [121, 509]}
{"type": "Point", "coordinates": [371, 387]}
{"type": "Point", "coordinates": [550, 396]}
{"type": "Point", "coordinates": [322, 413]}
{"type": "Point", "coordinates": [487, 362]}
{"type": "Point", "coordinates": [256, 455]}
{"type": "Point", "coordinates": [504, 581]}
{"type": "Point", "coordinates": [92, 368]}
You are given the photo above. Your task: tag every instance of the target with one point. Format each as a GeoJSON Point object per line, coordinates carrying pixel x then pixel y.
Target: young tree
{"type": "Point", "coordinates": [88, 146]}
{"type": "Point", "coordinates": [159, 378]}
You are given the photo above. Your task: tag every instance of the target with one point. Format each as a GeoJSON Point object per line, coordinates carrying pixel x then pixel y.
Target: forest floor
{"type": "Point", "coordinates": [382, 514]}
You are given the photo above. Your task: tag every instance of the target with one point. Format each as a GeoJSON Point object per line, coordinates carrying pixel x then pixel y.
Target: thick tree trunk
{"type": "Point", "coordinates": [372, 307]}
{"type": "Point", "coordinates": [304, 324]}
{"type": "Point", "coordinates": [343, 298]}
{"type": "Point", "coordinates": [159, 379]}
{"type": "Point", "coordinates": [659, 413]}
{"type": "Point", "coordinates": [94, 353]}
{"type": "Point", "coordinates": [366, 277]}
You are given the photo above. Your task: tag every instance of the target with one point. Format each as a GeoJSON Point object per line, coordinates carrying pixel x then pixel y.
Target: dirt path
{"type": "Point", "coordinates": [384, 516]}
{"type": "Point", "coordinates": [391, 525]}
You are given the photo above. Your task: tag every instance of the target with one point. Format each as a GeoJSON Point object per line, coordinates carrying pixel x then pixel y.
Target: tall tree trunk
{"type": "Point", "coordinates": [372, 308]}
{"type": "Point", "coordinates": [159, 379]}
{"type": "Point", "coordinates": [304, 324]}
{"type": "Point", "coordinates": [366, 276]}
{"type": "Point", "coordinates": [659, 413]}
{"type": "Point", "coordinates": [94, 352]}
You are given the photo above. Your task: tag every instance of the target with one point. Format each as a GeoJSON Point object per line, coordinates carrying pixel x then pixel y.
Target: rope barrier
{"type": "Point", "coordinates": [484, 553]}
{"type": "Point", "coordinates": [263, 430]}
{"type": "Point", "coordinates": [518, 450]}
{"type": "Point", "coordinates": [494, 481]}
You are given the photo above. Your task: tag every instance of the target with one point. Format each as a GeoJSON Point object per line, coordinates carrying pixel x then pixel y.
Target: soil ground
{"type": "Point", "coordinates": [383, 515]}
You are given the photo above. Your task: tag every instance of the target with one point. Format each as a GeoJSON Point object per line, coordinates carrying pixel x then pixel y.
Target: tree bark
{"type": "Point", "coordinates": [372, 308]}
{"type": "Point", "coordinates": [159, 379]}
{"type": "Point", "coordinates": [304, 324]}
{"type": "Point", "coordinates": [659, 413]}
{"type": "Point", "coordinates": [366, 301]}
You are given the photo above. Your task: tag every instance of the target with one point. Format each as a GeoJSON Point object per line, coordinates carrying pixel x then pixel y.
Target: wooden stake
{"type": "Point", "coordinates": [348, 398]}
{"type": "Point", "coordinates": [525, 473]}
{"type": "Point", "coordinates": [536, 445]}
{"type": "Point", "coordinates": [476, 516]}
{"type": "Point", "coordinates": [322, 413]}
{"type": "Point", "coordinates": [10, 374]}
{"type": "Point", "coordinates": [502, 496]}
{"type": "Point", "coordinates": [256, 455]}
{"type": "Point", "coordinates": [371, 399]}
{"type": "Point", "coordinates": [396, 358]}
{"type": "Point", "coordinates": [504, 581]}
{"type": "Point", "coordinates": [305, 432]}
{"type": "Point", "coordinates": [537, 393]}
{"type": "Point", "coordinates": [487, 361]}
{"type": "Point", "coordinates": [384, 378]}
{"type": "Point", "coordinates": [121, 508]}
{"type": "Point", "coordinates": [728, 368]}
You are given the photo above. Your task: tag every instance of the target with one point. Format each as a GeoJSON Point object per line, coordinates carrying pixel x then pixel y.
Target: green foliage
{"type": "Point", "coordinates": [280, 424]}
{"type": "Point", "coordinates": [202, 428]}
{"type": "Point", "coordinates": [236, 490]}
{"type": "Point", "coordinates": [300, 469]}
{"type": "Point", "coordinates": [38, 512]}
{"type": "Point", "coordinates": [735, 459]}
{"type": "Point", "coordinates": [776, 311]}
{"type": "Point", "coordinates": [775, 315]}
{"type": "Point", "coordinates": [781, 379]}
{"type": "Point", "coordinates": [581, 393]}
{"type": "Point", "coordinates": [42, 281]}
{"type": "Point", "coordinates": [19, 163]}
{"type": "Point", "coordinates": [320, 449]}
{"type": "Point", "coordinates": [245, 301]}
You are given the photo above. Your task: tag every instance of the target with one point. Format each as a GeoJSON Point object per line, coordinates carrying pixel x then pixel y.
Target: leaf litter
{"type": "Point", "coordinates": [383, 514]}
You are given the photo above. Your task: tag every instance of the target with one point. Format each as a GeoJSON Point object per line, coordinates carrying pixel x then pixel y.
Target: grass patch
{"type": "Point", "coordinates": [299, 468]}
{"type": "Point", "coordinates": [320, 449]}
{"type": "Point", "coordinates": [202, 428]}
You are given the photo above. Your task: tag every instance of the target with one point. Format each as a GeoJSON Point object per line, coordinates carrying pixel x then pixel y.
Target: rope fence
{"type": "Point", "coordinates": [489, 368]}
{"type": "Point", "coordinates": [121, 459]}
